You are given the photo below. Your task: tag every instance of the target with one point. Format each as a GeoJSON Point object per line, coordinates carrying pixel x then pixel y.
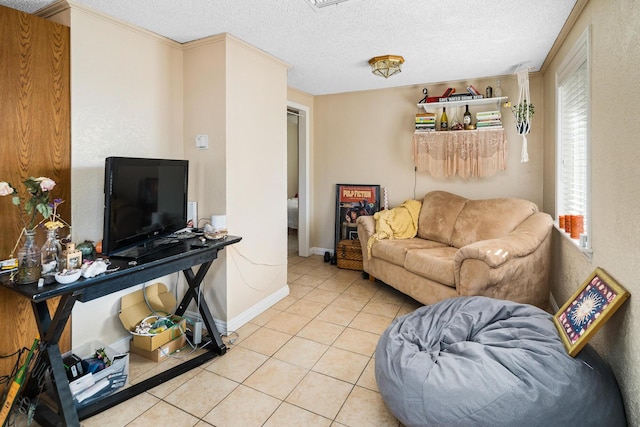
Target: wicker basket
{"type": "Point", "coordinates": [349, 255]}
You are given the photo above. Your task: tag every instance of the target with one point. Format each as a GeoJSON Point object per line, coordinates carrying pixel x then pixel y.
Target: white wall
{"type": "Point", "coordinates": [615, 152]}
{"type": "Point", "coordinates": [366, 138]}
{"type": "Point", "coordinates": [126, 100]}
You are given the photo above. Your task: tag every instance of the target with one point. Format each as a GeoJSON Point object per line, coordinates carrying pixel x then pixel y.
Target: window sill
{"type": "Point", "coordinates": [586, 251]}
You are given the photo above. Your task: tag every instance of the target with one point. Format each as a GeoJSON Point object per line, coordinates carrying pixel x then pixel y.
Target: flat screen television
{"type": "Point", "coordinates": [144, 200]}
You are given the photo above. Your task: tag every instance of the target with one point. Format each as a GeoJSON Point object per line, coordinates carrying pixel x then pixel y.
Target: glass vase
{"type": "Point", "coordinates": [29, 261]}
{"type": "Point", "coordinates": [51, 252]}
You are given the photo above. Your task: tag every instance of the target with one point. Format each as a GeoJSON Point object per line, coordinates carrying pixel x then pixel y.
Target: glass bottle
{"type": "Point", "coordinates": [28, 260]}
{"type": "Point", "coordinates": [498, 90]}
{"type": "Point", "coordinates": [51, 252]}
{"type": "Point", "coordinates": [467, 117]}
{"type": "Point", "coordinates": [444, 121]}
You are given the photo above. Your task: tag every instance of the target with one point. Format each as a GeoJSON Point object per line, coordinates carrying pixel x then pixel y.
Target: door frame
{"type": "Point", "coordinates": [304, 192]}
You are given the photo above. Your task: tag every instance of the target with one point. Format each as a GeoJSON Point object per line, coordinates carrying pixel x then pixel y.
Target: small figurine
{"type": "Point", "coordinates": [426, 94]}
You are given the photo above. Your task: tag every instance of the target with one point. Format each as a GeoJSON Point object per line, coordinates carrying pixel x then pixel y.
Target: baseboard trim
{"type": "Point", "coordinates": [320, 251]}
{"type": "Point", "coordinates": [244, 317]}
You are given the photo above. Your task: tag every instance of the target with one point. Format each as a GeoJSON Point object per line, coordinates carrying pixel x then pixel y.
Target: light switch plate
{"type": "Point", "coordinates": [202, 142]}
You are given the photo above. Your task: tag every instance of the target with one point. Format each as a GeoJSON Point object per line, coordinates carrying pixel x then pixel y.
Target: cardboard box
{"type": "Point", "coordinates": [90, 387]}
{"type": "Point", "coordinates": [134, 308]}
{"type": "Point", "coordinates": [163, 352]}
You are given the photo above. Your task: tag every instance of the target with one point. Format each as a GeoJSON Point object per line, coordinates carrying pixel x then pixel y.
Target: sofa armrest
{"type": "Point", "coordinates": [515, 267]}
{"type": "Point", "coordinates": [366, 228]}
{"type": "Point", "coordinates": [519, 243]}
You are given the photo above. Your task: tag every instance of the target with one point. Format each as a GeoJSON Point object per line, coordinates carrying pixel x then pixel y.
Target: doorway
{"type": "Point", "coordinates": [300, 114]}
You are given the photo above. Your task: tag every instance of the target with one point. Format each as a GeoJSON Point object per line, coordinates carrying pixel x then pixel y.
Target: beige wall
{"type": "Point", "coordinates": [238, 95]}
{"type": "Point", "coordinates": [256, 177]}
{"type": "Point", "coordinates": [126, 100]}
{"type": "Point", "coordinates": [205, 114]}
{"type": "Point", "coordinates": [614, 175]}
{"type": "Point", "coordinates": [138, 94]}
{"type": "Point", "coordinates": [366, 138]}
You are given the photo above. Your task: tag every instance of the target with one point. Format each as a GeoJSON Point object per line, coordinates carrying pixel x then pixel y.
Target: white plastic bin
{"type": "Point", "coordinates": [92, 387]}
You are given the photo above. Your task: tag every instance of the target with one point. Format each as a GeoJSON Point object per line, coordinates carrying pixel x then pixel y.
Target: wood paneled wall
{"type": "Point", "coordinates": [34, 141]}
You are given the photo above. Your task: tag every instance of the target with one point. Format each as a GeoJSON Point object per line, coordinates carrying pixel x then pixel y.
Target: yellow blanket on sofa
{"type": "Point", "coordinates": [400, 222]}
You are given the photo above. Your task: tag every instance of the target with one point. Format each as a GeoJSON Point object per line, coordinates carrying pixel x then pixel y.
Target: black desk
{"type": "Point", "coordinates": [182, 257]}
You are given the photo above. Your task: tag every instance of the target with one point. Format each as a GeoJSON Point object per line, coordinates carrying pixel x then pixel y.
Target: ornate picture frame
{"type": "Point", "coordinates": [588, 309]}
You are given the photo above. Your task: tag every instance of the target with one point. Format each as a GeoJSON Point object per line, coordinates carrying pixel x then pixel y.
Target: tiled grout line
{"type": "Point", "coordinates": [357, 288]}
{"type": "Point", "coordinates": [326, 305]}
{"type": "Point", "coordinates": [370, 358]}
{"type": "Point", "coordinates": [353, 385]}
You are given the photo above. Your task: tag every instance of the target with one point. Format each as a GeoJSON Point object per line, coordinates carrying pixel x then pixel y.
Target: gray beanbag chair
{"type": "Point", "coordinates": [477, 361]}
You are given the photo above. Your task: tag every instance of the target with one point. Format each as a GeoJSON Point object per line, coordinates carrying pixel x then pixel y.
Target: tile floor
{"type": "Point", "coordinates": [307, 361]}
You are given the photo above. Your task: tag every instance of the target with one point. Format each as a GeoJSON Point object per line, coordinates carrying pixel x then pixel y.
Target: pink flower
{"type": "Point", "coordinates": [46, 184]}
{"type": "Point", "coordinates": [6, 189]}
{"type": "Point", "coordinates": [38, 203]}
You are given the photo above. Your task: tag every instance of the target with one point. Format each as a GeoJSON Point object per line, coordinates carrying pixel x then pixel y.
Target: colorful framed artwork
{"type": "Point", "coordinates": [588, 309]}
{"type": "Point", "coordinates": [353, 201]}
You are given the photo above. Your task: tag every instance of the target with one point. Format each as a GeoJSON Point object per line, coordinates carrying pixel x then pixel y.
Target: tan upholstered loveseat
{"type": "Point", "coordinates": [499, 248]}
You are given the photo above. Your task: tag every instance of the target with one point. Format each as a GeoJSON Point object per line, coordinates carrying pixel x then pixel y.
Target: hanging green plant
{"type": "Point", "coordinates": [523, 112]}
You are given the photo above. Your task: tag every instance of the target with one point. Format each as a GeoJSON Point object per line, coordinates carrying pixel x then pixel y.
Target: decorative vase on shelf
{"type": "Point", "coordinates": [29, 260]}
{"type": "Point", "coordinates": [51, 252]}
{"type": "Point", "coordinates": [88, 250]}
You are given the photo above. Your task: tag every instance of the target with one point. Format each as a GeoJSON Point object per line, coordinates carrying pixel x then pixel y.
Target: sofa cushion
{"type": "Point", "coordinates": [489, 219]}
{"type": "Point", "coordinates": [434, 263]}
{"type": "Point", "coordinates": [438, 216]}
{"type": "Point", "coordinates": [395, 251]}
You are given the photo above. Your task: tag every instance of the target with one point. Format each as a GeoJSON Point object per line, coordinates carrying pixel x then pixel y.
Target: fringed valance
{"type": "Point", "coordinates": [473, 153]}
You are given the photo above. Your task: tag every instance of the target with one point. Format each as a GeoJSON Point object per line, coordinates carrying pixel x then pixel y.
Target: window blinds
{"type": "Point", "coordinates": [574, 104]}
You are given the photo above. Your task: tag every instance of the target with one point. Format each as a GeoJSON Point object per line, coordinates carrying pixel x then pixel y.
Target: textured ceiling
{"type": "Point", "coordinates": [328, 48]}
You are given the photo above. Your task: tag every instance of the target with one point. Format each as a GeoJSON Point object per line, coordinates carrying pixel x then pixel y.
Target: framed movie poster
{"type": "Point", "coordinates": [353, 201]}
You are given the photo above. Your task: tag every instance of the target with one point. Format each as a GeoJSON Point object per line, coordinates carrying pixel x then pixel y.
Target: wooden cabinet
{"type": "Point", "coordinates": [34, 141]}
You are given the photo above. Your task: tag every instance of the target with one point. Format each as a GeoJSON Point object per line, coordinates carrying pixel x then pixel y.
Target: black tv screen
{"type": "Point", "coordinates": [144, 199]}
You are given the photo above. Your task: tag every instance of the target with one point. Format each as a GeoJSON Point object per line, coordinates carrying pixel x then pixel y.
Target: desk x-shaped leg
{"type": "Point", "coordinates": [191, 294]}
{"type": "Point", "coordinates": [49, 355]}
{"type": "Point", "coordinates": [194, 281]}
{"type": "Point", "coordinates": [50, 332]}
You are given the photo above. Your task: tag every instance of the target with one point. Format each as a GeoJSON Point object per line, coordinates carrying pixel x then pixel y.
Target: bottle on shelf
{"type": "Point", "coordinates": [444, 121]}
{"type": "Point", "coordinates": [50, 254]}
{"type": "Point", "coordinates": [498, 90]}
{"type": "Point", "coordinates": [467, 118]}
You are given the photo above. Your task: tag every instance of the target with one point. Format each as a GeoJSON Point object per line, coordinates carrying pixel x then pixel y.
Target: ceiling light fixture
{"type": "Point", "coordinates": [387, 65]}
{"type": "Point", "coordinates": [324, 3]}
